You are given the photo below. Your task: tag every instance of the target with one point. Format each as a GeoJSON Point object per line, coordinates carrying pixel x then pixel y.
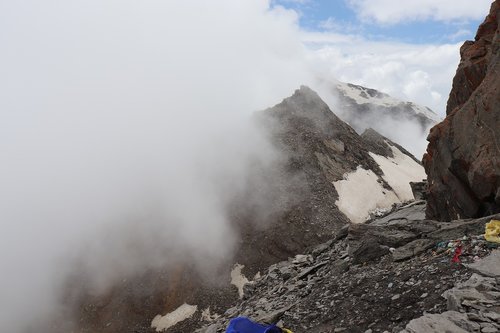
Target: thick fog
{"type": "Point", "coordinates": [124, 133]}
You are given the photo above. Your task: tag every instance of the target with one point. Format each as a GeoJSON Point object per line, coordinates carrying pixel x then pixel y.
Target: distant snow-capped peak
{"type": "Point", "coordinates": [363, 95]}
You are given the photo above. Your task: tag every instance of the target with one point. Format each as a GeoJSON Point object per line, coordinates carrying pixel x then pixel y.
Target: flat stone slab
{"type": "Point", "coordinates": [436, 323]}
{"type": "Point", "coordinates": [411, 212]}
{"type": "Point", "coordinates": [488, 266]}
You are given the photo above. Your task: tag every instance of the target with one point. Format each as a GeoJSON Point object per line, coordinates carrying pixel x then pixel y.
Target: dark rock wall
{"type": "Point", "coordinates": [463, 156]}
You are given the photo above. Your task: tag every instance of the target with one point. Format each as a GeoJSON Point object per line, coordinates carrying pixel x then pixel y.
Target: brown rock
{"type": "Point", "coordinates": [463, 156]}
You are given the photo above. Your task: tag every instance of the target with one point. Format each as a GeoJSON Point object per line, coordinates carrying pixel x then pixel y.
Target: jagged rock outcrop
{"type": "Point", "coordinates": [463, 156]}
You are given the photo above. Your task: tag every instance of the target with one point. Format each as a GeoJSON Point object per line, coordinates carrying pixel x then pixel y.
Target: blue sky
{"type": "Point", "coordinates": [343, 16]}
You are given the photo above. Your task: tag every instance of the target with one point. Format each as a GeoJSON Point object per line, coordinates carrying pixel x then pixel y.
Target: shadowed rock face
{"type": "Point", "coordinates": [463, 156]}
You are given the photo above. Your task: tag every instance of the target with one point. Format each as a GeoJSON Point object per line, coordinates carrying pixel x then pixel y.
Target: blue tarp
{"type": "Point", "coordinates": [245, 325]}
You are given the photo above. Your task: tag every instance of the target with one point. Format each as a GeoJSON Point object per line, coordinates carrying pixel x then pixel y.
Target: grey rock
{"type": "Point", "coordinates": [488, 266]}
{"type": "Point", "coordinates": [320, 249]}
{"type": "Point", "coordinates": [412, 249]}
{"type": "Point", "coordinates": [367, 251]}
{"type": "Point", "coordinates": [419, 190]}
{"type": "Point", "coordinates": [275, 316]}
{"type": "Point", "coordinates": [489, 328]}
{"type": "Point", "coordinates": [310, 270]}
{"type": "Point", "coordinates": [493, 316]}
{"type": "Point", "coordinates": [478, 288]}
{"type": "Point", "coordinates": [435, 323]}
{"type": "Point", "coordinates": [412, 212]}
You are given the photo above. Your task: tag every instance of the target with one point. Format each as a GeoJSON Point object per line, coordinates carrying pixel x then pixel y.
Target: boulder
{"type": "Point", "coordinates": [489, 266]}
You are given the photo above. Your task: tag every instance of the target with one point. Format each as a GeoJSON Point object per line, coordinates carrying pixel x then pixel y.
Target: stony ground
{"type": "Point", "coordinates": [335, 288]}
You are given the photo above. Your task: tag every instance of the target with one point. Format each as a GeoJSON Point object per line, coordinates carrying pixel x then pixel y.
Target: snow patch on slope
{"type": "Point", "coordinates": [362, 95]}
{"type": "Point", "coordinates": [183, 312]}
{"type": "Point", "coordinates": [238, 279]}
{"type": "Point", "coordinates": [360, 192]}
{"type": "Point", "coordinates": [399, 171]}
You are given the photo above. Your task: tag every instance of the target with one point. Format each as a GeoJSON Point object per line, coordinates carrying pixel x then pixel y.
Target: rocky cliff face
{"type": "Point", "coordinates": [463, 156]}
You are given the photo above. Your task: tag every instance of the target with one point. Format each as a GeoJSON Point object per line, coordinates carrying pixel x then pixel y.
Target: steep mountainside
{"type": "Point", "coordinates": [463, 156]}
{"type": "Point", "coordinates": [329, 176]}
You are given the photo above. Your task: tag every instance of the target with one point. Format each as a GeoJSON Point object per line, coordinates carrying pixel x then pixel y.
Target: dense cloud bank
{"type": "Point", "coordinates": [125, 132]}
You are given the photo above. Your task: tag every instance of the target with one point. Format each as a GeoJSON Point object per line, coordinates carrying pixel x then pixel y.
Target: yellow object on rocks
{"type": "Point", "coordinates": [286, 331]}
{"type": "Point", "coordinates": [492, 231]}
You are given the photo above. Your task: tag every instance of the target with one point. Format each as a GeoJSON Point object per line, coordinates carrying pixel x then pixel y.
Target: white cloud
{"type": "Point", "coordinates": [333, 24]}
{"type": "Point", "coordinates": [294, 2]}
{"type": "Point", "coordinates": [395, 11]}
{"type": "Point", "coordinates": [417, 73]}
{"type": "Point", "coordinates": [124, 131]}
{"type": "Point", "coordinates": [459, 34]}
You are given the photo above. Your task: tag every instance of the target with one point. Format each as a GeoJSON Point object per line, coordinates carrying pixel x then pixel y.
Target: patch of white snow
{"type": "Point", "coordinates": [360, 193]}
{"type": "Point", "coordinates": [399, 171]}
{"type": "Point", "coordinates": [183, 312]}
{"type": "Point", "coordinates": [238, 279]}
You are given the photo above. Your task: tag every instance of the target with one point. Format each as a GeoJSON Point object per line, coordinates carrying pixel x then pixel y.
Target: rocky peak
{"type": "Point", "coordinates": [463, 156]}
{"type": "Point", "coordinates": [307, 108]}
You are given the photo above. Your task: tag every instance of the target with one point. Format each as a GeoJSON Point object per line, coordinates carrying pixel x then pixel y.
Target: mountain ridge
{"type": "Point", "coordinates": [304, 205]}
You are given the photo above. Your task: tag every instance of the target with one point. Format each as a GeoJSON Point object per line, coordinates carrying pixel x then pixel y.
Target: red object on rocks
{"type": "Point", "coordinates": [456, 256]}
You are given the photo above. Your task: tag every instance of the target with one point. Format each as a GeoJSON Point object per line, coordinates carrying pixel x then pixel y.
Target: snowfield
{"type": "Point", "coordinates": [360, 192]}
{"type": "Point", "coordinates": [399, 171]}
